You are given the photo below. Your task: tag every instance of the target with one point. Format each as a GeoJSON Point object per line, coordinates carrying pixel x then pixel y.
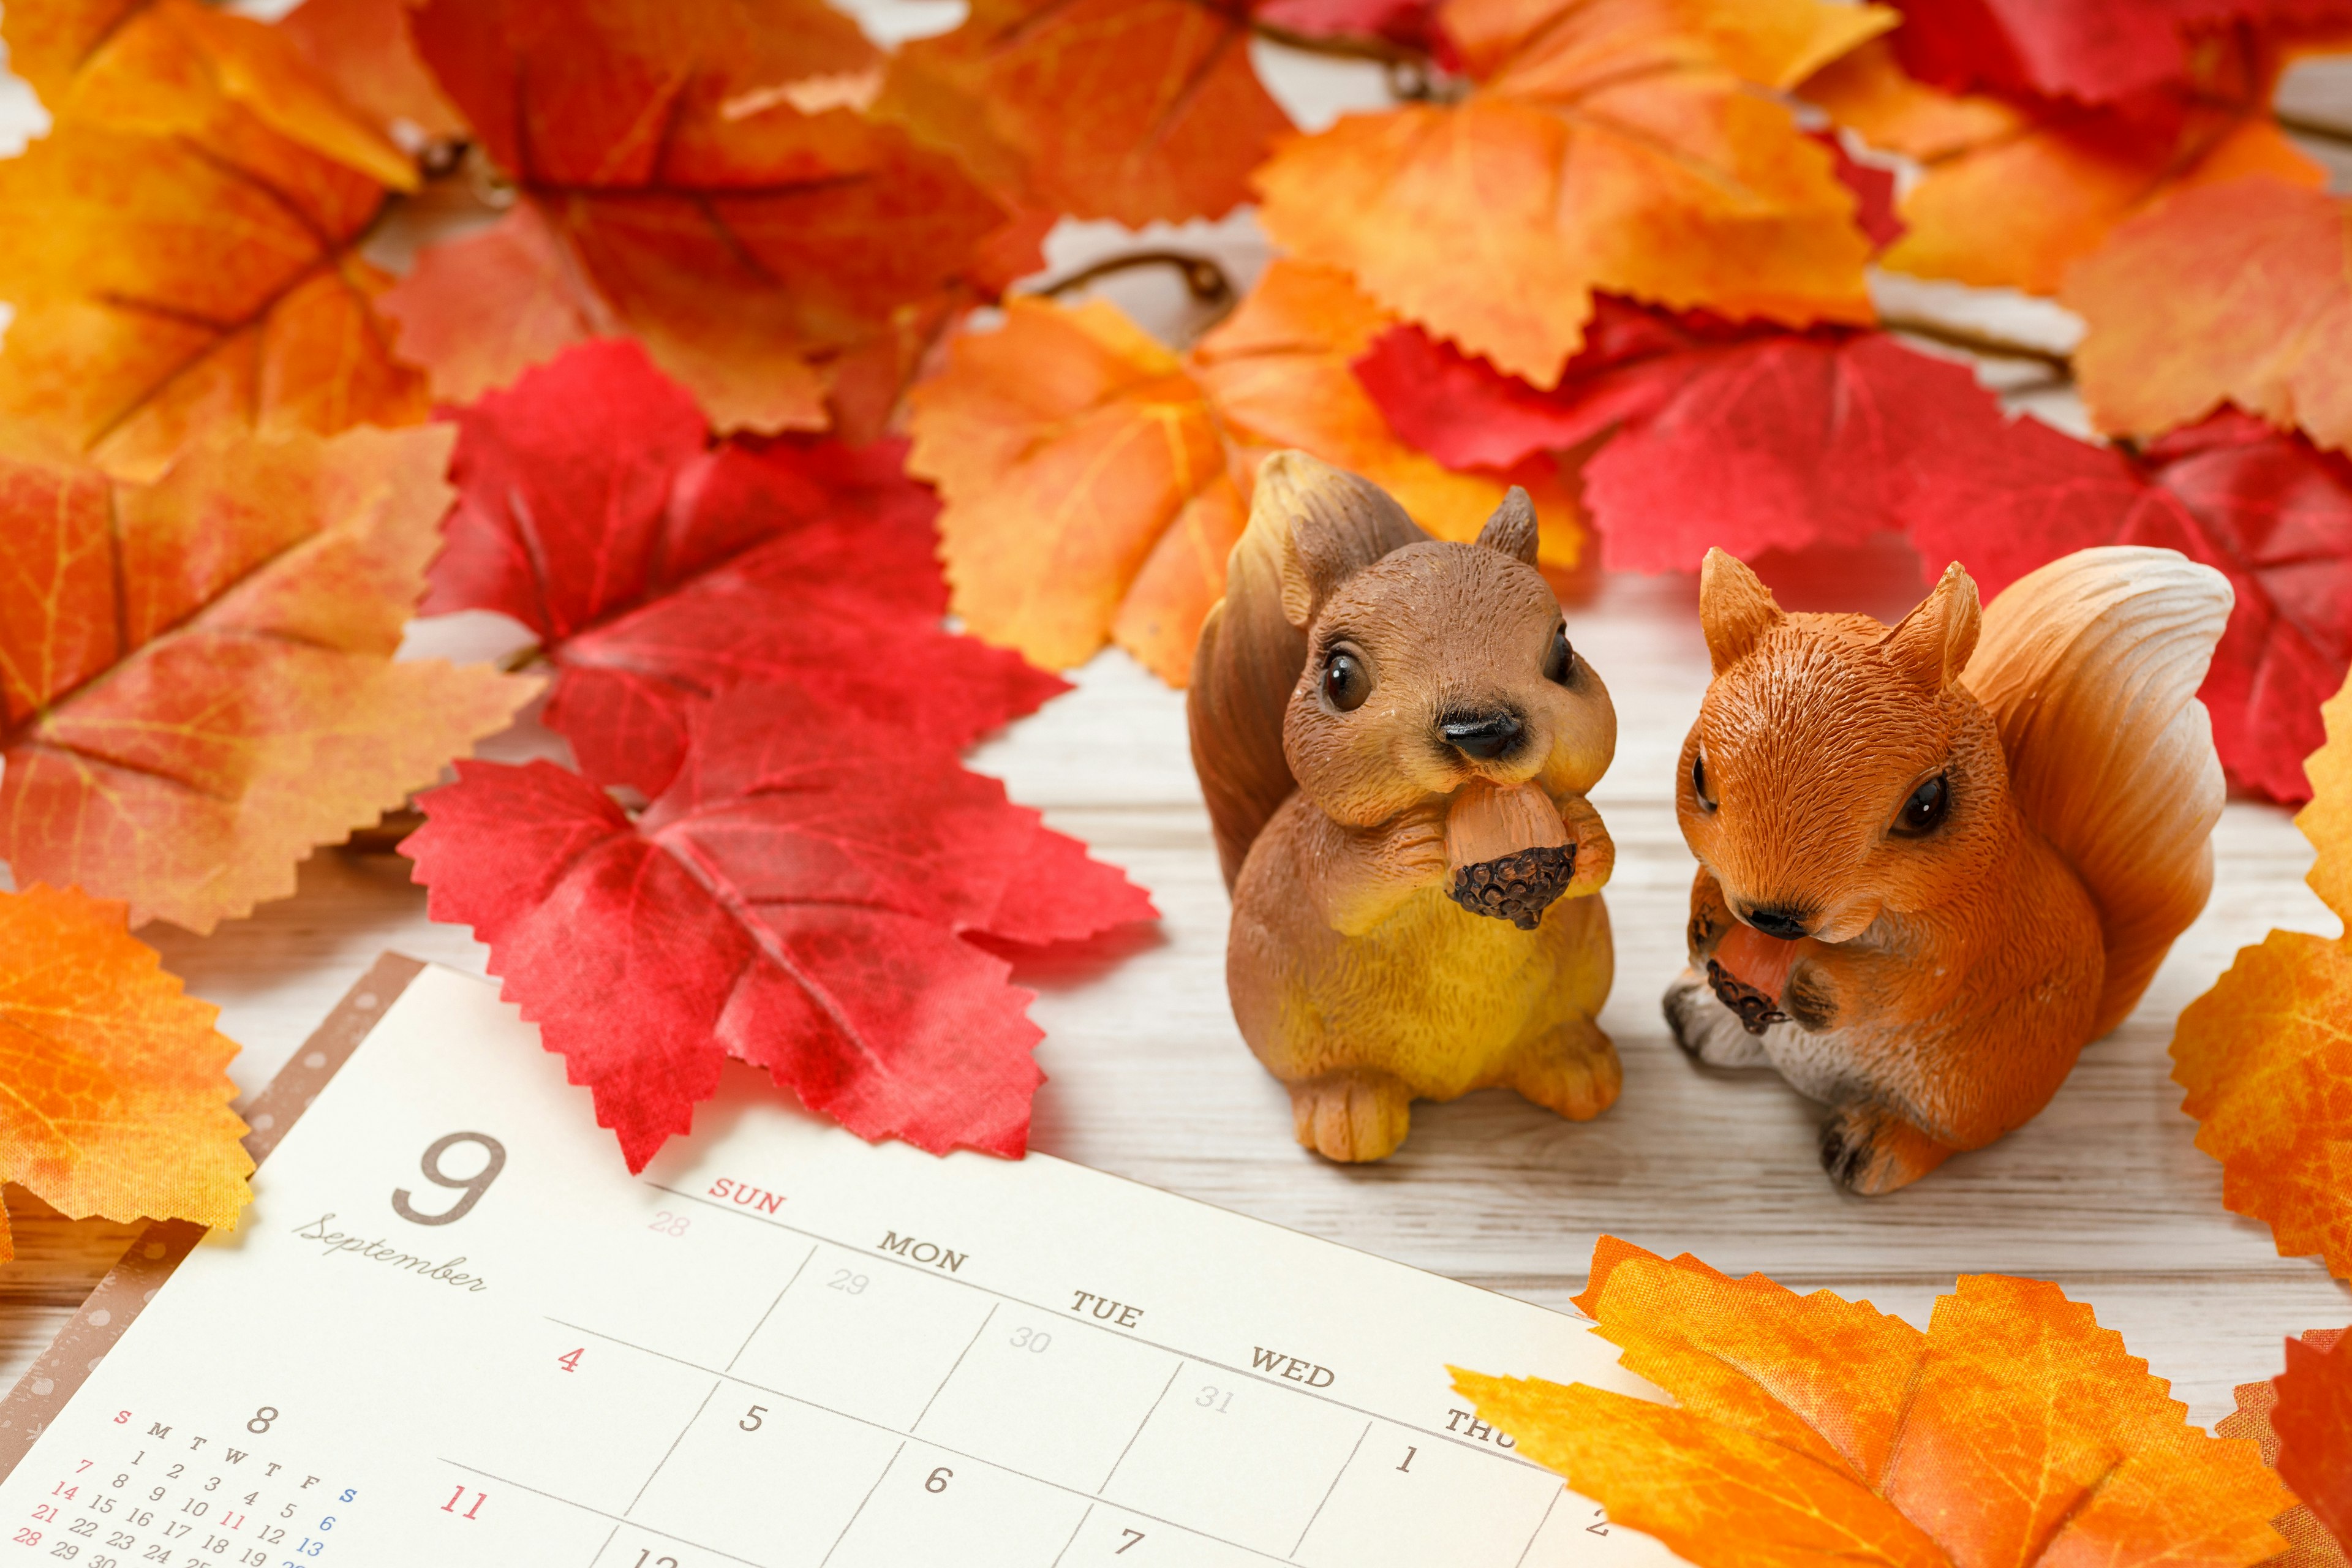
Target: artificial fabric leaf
{"type": "Point", "coordinates": [796, 899]}
{"type": "Point", "coordinates": [2313, 1419]}
{"type": "Point", "coordinates": [2084, 50]}
{"type": "Point", "coordinates": [181, 248]}
{"type": "Point", "coordinates": [1812, 1430]}
{"type": "Point", "coordinates": [658, 571]}
{"type": "Point", "coordinates": [1128, 110]}
{"type": "Point", "coordinates": [479, 310]}
{"type": "Point", "coordinates": [1621, 146]}
{"type": "Point", "coordinates": [362, 47]}
{"type": "Point", "coordinates": [197, 673]}
{"type": "Point", "coordinates": [1757, 439]}
{"type": "Point", "coordinates": [1095, 481]}
{"type": "Point", "coordinates": [2015, 191]}
{"type": "Point", "coordinates": [756, 248]}
{"type": "Point", "coordinates": [2310, 1545]}
{"type": "Point", "coordinates": [2265, 1054]}
{"type": "Point", "coordinates": [1413, 25]}
{"type": "Point", "coordinates": [2237, 293]}
{"type": "Point", "coordinates": [114, 1088]}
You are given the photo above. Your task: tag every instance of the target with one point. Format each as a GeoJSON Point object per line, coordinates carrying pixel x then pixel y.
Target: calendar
{"type": "Point", "coordinates": [453, 1330]}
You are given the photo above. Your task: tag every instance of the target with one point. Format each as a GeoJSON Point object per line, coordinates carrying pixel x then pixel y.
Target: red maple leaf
{"type": "Point", "coordinates": [2313, 1419]}
{"type": "Point", "coordinates": [796, 899]}
{"type": "Point", "coordinates": [1753, 439]}
{"type": "Point", "coordinates": [2088, 49]}
{"type": "Point", "coordinates": [658, 569]}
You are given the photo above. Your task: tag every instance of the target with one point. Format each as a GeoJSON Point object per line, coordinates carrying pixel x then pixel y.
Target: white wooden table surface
{"type": "Point", "coordinates": [2104, 1193]}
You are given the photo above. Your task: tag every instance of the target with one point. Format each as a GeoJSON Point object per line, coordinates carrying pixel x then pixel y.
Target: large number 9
{"type": "Point", "coordinates": [473, 1186]}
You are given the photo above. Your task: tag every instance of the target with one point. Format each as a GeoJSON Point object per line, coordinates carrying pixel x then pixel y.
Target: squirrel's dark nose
{"type": "Point", "coordinates": [1774, 920]}
{"type": "Point", "coordinates": [1482, 735]}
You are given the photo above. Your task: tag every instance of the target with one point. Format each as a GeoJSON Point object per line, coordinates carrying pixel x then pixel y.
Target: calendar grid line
{"type": "Point", "coordinates": [917, 1424]}
{"type": "Point", "coordinates": [1538, 1535]}
{"type": "Point", "coordinates": [1335, 1476]}
{"type": "Point", "coordinates": [1073, 1541]}
{"type": "Point", "coordinates": [1173, 1373]}
{"type": "Point", "coordinates": [1434, 1434]}
{"type": "Point", "coordinates": [905, 1437]}
{"type": "Point", "coordinates": [603, 1546]}
{"type": "Point", "coordinates": [851, 1524]}
{"type": "Point", "coordinates": [772, 1307]}
{"type": "Point", "coordinates": [674, 1442]}
{"type": "Point", "coordinates": [599, 1513]}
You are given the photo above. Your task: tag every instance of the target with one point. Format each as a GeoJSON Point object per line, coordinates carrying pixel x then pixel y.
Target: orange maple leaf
{"type": "Point", "coordinates": [1813, 1430]}
{"type": "Point", "coordinates": [2309, 1543]}
{"type": "Point", "coordinates": [1130, 110]}
{"type": "Point", "coordinates": [1095, 481]}
{"type": "Point", "coordinates": [479, 310]}
{"type": "Point", "coordinates": [362, 47]}
{"type": "Point", "coordinates": [709, 170]}
{"type": "Point", "coordinates": [1620, 145]}
{"type": "Point", "coordinates": [181, 246]}
{"type": "Point", "coordinates": [2232, 293]}
{"type": "Point", "coordinates": [114, 1092]}
{"type": "Point", "coordinates": [197, 673]}
{"type": "Point", "coordinates": [2014, 195]}
{"type": "Point", "coordinates": [2265, 1054]}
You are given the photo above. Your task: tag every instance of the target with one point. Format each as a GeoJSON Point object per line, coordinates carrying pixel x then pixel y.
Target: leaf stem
{"type": "Point", "coordinates": [1205, 281]}
{"type": "Point", "coordinates": [2318, 130]}
{"type": "Point", "coordinates": [1976, 343]}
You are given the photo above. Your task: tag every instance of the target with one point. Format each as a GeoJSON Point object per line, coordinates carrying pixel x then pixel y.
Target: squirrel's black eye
{"type": "Point", "coordinates": [1699, 780]}
{"type": "Point", "coordinates": [1560, 659]}
{"type": "Point", "coordinates": [1923, 812]}
{"type": "Point", "coordinates": [1346, 681]}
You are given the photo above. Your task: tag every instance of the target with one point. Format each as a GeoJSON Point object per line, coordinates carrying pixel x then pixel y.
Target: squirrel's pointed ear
{"type": "Point", "coordinates": [1329, 523]}
{"type": "Point", "coordinates": [1512, 529]}
{"type": "Point", "coordinates": [1932, 644]}
{"type": "Point", "coordinates": [1735, 608]}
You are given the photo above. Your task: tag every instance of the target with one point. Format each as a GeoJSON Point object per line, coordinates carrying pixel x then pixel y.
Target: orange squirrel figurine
{"type": "Point", "coordinates": [1395, 740]}
{"type": "Point", "coordinates": [1937, 859]}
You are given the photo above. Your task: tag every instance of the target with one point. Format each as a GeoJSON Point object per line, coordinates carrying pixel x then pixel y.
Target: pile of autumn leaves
{"type": "Point", "coordinates": [698, 407]}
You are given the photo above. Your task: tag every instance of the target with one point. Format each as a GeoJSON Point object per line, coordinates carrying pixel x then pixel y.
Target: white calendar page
{"type": "Point", "coordinates": [454, 1331]}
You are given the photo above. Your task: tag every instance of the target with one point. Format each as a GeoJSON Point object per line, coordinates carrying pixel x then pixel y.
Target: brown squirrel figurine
{"type": "Point", "coordinates": [1395, 739]}
{"type": "Point", "coordinates": [1937, 859]}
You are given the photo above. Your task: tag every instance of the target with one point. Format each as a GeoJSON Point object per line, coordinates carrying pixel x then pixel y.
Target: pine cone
{"type": "Point", "coordinates": [1756, 1009]}
{"type": "Point", "coordinates": [1518, 888]}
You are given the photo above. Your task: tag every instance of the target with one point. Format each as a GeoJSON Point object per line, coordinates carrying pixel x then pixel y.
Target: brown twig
{"type": "Point", "coordinates": [2318, 130]}
{"type": "Point", "coordinates": [522, 659]}
{"type": "Point", "coordinates": [1341, 47]}
{"type": "Point", "coordinates": [1203, 279]}
{"type": "Point", "coordinates": [1976, 343]}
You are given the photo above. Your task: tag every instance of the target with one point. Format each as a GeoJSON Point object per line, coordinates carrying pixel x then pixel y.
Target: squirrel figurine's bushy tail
{"type": "Point", "coordinates": [1249, 656]}
{"type": "Point", "coordinates": [2089, 667]}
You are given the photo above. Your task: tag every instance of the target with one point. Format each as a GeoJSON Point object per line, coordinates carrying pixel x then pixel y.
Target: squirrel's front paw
{"type": "Point", "coordinates": [1869, 1150]}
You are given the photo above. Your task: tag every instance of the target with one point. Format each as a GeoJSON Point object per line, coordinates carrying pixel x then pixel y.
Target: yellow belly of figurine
{"type": "Point", "coordinates": [1428, 1005]}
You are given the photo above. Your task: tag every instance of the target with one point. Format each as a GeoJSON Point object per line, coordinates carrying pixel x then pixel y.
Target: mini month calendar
{"type": "Point", "coordinates": [453, 1330]}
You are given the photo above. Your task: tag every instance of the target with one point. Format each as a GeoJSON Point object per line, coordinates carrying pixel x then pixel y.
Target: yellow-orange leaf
{"type": "Point", "coordinates": [2239, 292]}
{"type": "Point", "coordinates": [2266, 1054]}
{"type": "Point", "coordinates": [114, 1092]}
{"type": "Point", "coordinates": [1816, 1431]}
{"type": "Point", "coordinates": [180, 248]}
{"type": "Point", "coordinates": [1620, 145]}
{"type": "Point", "coordinates": [1095, 481]}
{"type": "Point", "coordinates": [1131, 109]}
{"type": "Point", "coordinates": [2014, 198]}
{"type": "Point", "coordinates": [197, 673]}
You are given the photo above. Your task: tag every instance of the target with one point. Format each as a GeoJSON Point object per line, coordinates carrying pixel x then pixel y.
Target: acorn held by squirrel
{"type": "Point", "coordinates": [1937, 859]}
{"type": "Point", "coordinates": [1395, 739]}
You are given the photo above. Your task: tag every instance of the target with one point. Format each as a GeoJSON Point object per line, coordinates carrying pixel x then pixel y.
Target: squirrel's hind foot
{"type": "Point", "coordinates": [1573, 1070]}
{"type": "Point", "coordinates": [1352, 1115]}
{"type": "Point", "coordinates": [1869, 1150]}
